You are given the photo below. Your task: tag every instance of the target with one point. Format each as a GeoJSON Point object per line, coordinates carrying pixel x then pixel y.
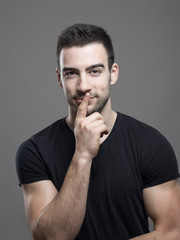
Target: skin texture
{"type": "Point", "coordinates": [86, 80]}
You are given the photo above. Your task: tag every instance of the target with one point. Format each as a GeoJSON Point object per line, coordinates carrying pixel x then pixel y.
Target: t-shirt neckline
{"type": "Point", "coordinates": [105, 142]}
{"type": "Point", "coordinates": [108, 137]}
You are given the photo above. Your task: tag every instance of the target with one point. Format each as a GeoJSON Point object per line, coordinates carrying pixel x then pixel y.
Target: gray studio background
{"type": "Point", "coordinates": [146, 38]}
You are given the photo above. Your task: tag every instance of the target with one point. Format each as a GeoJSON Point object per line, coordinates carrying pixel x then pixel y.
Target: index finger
{"type": "Point", "coordinates": [82, 109]}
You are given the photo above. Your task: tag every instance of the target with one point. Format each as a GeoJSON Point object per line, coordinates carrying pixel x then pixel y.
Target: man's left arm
{"type": "Point", "coordinates": [162, 204]}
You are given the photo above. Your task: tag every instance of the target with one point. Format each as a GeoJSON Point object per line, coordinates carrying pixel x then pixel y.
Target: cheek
{"type": "Point", "coordinates": [69, 88]}
{"type": "Point", "coordinates": [102, 84]}
{"type": "Point", "coordinates": [103, 81]}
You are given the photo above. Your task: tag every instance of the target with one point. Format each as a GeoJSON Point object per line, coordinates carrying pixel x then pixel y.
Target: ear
{"type": "Point", "coordinates": [114, 73]}
{"type": "Point", "coordinates": [59, 77]}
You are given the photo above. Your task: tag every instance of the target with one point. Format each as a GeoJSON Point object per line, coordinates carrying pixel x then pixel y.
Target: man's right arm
{"type": "Point", "coordinates": [59, 215]}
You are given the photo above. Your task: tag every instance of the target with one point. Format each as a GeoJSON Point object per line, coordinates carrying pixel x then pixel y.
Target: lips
{"type": "Point", "coordinates": [82, 96]}
{"type": "Point", "coordinates": [79, 99]}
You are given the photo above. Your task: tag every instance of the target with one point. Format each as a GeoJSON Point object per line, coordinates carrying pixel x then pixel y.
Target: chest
{"type": "Point", "coordinates": [115, 170]}
{"type": "Point", "coordinates": [115, 175]}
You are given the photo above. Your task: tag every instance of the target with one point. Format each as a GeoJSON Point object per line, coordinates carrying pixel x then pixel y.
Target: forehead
{"type": "Point", "coordinates": [83, 56]}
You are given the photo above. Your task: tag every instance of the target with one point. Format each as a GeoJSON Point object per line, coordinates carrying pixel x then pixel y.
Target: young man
{"type": "Point", "coordinates": [97, 174]}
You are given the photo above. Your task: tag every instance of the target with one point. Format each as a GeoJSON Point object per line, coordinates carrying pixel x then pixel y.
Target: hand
{"type": "Point", "coordinates": [88, 130]}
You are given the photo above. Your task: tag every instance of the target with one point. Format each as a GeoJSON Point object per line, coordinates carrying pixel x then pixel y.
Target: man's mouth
{"type": "Point", "coordinates": [79, 99]}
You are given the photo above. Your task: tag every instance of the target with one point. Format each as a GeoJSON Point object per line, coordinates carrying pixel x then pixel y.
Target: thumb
{"type": "Point", "coordinates": [82, 109]}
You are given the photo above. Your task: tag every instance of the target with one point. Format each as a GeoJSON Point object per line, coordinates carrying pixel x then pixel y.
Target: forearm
{"type": "Point", "coordinates": [63, 217]}
{"type": "Point", "coordinates": [156, 235]}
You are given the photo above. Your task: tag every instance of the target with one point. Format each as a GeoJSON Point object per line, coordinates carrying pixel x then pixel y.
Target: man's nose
{"type": "Point", "coordinates": [83, 83]}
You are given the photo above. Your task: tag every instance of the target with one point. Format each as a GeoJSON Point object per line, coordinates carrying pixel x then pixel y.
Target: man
{"type": "Point", "coordinates": [97, 174]}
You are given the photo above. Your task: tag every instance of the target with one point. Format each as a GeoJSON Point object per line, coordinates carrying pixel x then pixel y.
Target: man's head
{"type": "Point", "coordinates": [83, 34]}
{"type": "Point", "coordinates": [86, 64]}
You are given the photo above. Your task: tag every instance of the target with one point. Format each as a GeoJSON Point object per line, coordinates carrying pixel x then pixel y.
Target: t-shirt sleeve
{"type": "Point", "coordinates": [159, 163]}
{"type": "Point", "coordinates": [29, 164]}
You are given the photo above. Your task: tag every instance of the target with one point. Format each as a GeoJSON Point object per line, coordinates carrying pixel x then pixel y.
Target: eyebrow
{"type": "Point", "coordinates": [69, 69]}
{"type": "Point", "coordinates": [87, 69]}
{"type": "Point", "coordinates": [95, 66]}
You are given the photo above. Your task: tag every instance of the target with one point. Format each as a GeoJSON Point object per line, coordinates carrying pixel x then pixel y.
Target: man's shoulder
{"type": "Point", "coordinates": [131, 122]}
{"type": "Point", "coordinates": [50, 129]}
{"type": "Point", "coordinates": [47, 134]}
{"type": "Point", "coordinates": [135, 129]}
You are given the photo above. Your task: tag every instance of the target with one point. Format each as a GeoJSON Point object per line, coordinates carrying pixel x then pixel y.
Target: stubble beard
{"type": "Point", "coordinates": [99, 105]}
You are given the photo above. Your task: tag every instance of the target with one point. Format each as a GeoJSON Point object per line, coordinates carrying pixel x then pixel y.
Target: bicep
{"type": "Point", "coordinates": [162, 204]}
{"type": "Point", "coordinates": [36, 198]}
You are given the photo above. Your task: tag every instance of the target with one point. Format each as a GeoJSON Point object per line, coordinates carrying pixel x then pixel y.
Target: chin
{"type": "Point", "coordinates": [92, 110]}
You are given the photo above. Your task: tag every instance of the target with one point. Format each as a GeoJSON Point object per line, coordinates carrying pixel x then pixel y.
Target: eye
{"type": "Point", "coordinates": [70, 74]}
{"type": "Point", "coordinates": [95, 72]}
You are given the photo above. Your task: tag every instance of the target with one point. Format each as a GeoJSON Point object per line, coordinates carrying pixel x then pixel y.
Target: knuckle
{"type": "Point", "coordinates": [81, 124]}
{"type": "Point", "coordinates": [86, 128]}
{"type": "Point", "coordinates": [81, 108]}
{"type": "Point", "coordinates": [104, 127]}
{"type": "Point", "coordinates": [97, 115]}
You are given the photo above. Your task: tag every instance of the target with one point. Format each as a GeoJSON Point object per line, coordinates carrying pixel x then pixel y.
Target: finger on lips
{"type": "Point", "coordinates": [82, 109]}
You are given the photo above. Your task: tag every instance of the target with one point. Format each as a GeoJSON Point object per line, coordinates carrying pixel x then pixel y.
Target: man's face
{"type": "Point", "coordinates": [85, 69]}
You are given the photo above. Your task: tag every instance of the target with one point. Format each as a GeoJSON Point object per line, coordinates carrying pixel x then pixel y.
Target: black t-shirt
{"type": "Point", "coordinates": [134, 156]}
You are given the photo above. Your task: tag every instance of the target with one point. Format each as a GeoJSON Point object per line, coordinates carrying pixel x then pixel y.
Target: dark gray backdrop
{"type": "Point", "coordinates": [146, 37]}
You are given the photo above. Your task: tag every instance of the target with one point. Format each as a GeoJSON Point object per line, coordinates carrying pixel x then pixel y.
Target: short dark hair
{"type": "Point", "coordinates": [82, 34]}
